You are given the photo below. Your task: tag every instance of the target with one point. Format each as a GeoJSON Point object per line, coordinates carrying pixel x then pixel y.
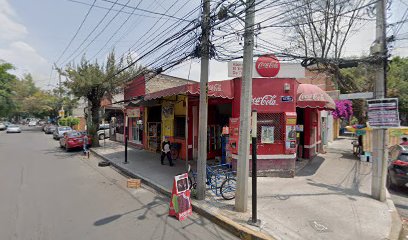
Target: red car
{"type": "Point", "coordinates": [73, 139]}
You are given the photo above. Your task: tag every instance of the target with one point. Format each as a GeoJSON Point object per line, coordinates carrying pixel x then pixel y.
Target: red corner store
{"type": "Point", "coordinates": [288, 126]}
{"type": "Point", "coordinates": [288, 120]}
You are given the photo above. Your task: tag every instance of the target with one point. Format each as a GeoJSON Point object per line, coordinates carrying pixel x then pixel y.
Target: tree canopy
{"type": "Point", "coordinates": [93, 81]}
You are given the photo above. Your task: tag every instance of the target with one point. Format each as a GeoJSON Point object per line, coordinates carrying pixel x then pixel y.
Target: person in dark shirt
{"type": "Point", "coordinates": [404, 141]}
{"type": "Point", "coordinates": [165, 151]}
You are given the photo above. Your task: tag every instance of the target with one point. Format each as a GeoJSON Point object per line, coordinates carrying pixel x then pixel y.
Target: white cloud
{"type": "Point", "coordinates": [15, 50]}
{"type": "Point", "coordinates": [26, 59]}
{"type": "Point", "coordinates": [9, 28]}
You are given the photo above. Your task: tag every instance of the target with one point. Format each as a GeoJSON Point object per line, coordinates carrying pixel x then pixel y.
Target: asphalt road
{"type": "Point", "coordinates": [47, 193]}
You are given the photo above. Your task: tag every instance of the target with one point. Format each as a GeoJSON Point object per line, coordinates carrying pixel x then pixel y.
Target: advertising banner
{"type": "Point", "coordinates": [180, 202]}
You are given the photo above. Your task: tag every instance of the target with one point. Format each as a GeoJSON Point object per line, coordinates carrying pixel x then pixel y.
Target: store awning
{"type": "Point", "coordinates": [311, 96]}
{"type": "Point", "coordinates": [221, 89]}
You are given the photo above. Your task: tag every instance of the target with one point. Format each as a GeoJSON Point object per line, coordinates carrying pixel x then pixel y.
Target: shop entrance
{"type": "Point", "coordinates": [154, 128]}
{"type": "Point", "coordinates": [300, 139]}
{"type": "Point", "coordinates": [218, 117]}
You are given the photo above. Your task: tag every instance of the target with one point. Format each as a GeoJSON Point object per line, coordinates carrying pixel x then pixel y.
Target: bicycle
{"type": "Point", "coordinates": [227, 187]}
{"type": "Point", "coordinates": [174, 151]}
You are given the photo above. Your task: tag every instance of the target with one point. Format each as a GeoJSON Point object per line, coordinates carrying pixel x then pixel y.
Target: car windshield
{"type": "Point", "coordinates": [73, 134]}
{"type": "Point", "coordinates": [64, 128]}
{"type": "Point", "coordinates": [12, 126]}
{"type": "Point", "coordinates": [403, 157]}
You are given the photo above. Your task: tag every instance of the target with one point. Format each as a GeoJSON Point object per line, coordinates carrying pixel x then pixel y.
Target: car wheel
{"type": "Point", "coordinates": [102, 136]}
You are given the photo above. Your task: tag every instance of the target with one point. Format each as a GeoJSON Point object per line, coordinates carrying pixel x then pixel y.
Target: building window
{"type": "Point", "coordinates": [271, 127]}
{"type": "Point", "coordinates": [180, 126]}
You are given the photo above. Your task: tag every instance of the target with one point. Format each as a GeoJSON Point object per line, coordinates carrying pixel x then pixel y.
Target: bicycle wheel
{"type": "Point", "coordinates": [228, 188]}
{"type": "Point", "coordinates": [174, 153]}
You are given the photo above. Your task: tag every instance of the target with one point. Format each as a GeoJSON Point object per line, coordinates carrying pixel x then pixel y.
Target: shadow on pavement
{"type": "Point", "coordinates": [311, 167]}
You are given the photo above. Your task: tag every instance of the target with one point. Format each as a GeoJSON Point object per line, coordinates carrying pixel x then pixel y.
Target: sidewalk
{"type": "Point", "coordinates": [328, 199]}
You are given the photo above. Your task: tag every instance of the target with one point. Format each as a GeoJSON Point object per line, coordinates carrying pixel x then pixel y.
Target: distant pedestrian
{"type": "Point", "coordinates": [165, 151]}
{"type": "Point", "coordinates": [404, 141]}
{"type": "Point", "coordinates": [86, 144]}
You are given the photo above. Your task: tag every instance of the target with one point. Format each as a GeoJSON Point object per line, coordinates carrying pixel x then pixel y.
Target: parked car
{"type": "Point", "coordinates": [13, 129]}
{"type": "Point", "coordinates": [398, 167]}
{"type": "Point", "coordinates": [59, 132]}
{"type": "Point", "coordinates": [73, 139]}
{"type": "Point", "coordinates": [49, 129]}
{"type": "Point", "coordinates": [3, 126]}
{"type": "Point", "coordinates": [103, 131]}
{"type": "Point", "coordinates": [32, 123]}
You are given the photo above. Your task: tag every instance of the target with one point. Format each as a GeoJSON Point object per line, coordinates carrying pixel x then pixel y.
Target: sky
{"type": "Point", "coordinates": [34, 34]}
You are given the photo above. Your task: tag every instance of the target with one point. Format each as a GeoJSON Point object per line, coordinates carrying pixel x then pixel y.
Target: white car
{"type": "Point", "coordinates": [2, 126]}
{"type": "Point", "coordinates": [32, 124]}
{"type": "Point", "coordinates": [13, 129]}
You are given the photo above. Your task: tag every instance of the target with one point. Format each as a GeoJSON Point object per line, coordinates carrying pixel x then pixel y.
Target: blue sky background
{"type": "Point", "coordinates": [34, 33]}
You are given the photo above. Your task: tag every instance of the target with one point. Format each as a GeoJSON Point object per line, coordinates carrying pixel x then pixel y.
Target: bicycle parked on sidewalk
{"type": "Point", "coordinates": [220, 179]}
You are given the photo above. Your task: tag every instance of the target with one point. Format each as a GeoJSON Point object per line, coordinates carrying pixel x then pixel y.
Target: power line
{"type": "Point", "coordinates": [77, 31]}
{"type": "Point", "coordinates": [148, 11]}
{"type": "Point", "coordinates": [116, 10]}
{"type": "Point", "coordinates": [117, 30]}
{"type": "Point", "coordinates": [93, 30]}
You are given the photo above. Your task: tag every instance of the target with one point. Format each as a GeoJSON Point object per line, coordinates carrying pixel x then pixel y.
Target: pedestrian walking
{"type": "Point", "coordinates": [165, 148]}
{"type": "Point", "coordinates": [86, 145]}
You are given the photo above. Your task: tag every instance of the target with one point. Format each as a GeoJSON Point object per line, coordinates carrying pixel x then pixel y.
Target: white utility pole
{"type": "Point", "coordinates": [241, 200]}
{"type": "Point", "coordinates": [203, 114]}
{"type": "Point", "coordinates": [380, 150]}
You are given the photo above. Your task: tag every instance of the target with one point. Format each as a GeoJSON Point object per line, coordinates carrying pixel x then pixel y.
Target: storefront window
{"type": "Point", "coordinates": [271, 127]}
{"type": "Point", "coordinates": [180, 126]}
{"type": "Point", "coordinates": [137, 130]}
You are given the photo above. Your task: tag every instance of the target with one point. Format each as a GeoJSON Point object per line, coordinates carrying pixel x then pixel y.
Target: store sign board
{"type": "Point", "coordinates": [383, 113]}
{"type": "Point", "coordinates": [287, 99]}
{"type": "Point", "coordinates": [286, 70]}
{"type": "Point", "coordinates": [360, 95]}
{"type": "Point", "coordinates": [267, 66]}
{"type": "Point", "coordinates": [180, 202]}
{"type": "Point", "coordinates": [133, 112]}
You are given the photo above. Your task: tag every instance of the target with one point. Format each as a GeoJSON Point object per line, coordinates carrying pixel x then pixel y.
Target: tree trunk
{"type": "Point", "coordinates": [93, 129]}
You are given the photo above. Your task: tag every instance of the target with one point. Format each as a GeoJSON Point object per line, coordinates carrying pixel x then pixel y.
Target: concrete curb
{"type": "Point", "coordinates": [236, 229]}
{"type": "Point", "coordinates": [396, 223]}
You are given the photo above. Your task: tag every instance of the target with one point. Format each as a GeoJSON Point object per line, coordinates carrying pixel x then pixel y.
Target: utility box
{"type": "Point", "coordinates": [133, 183]}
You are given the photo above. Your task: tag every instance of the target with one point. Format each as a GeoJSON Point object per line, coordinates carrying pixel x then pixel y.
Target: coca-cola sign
{"type": "Point", "coordinates": [311, 97]}
{"type": "Point", "coordinates": [267, 100]}
{"type": "Point", "coordinates": [214, 87]}
{"type": "Point", "coordinates": [267, 66]}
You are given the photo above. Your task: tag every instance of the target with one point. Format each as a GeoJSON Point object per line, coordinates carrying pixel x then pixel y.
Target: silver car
{"type": "Point", "coordinates": [13, 129]}
{"type": "Point", "coordinates": [3, 126]}
{"type": "Point", "coordinates": [59, 132]}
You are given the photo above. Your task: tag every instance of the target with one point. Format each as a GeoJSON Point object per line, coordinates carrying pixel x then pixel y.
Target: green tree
{"type": "Point", "coordinates": [397, 85]}
{"type": "Point", "coordinates": [7, 81]}
{"type": "Point", "coordinates": [68, 121]}
{"type": "Point", "coordinates": [362, 78]}
{"type": "Point", "coordinates": [94, 81]}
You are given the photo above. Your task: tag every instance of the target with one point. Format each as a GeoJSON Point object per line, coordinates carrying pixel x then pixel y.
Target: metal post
{"type": "Point", "coordinates": [126, 139]}
{"type": "Point", "coordinates": [186, 133]}
{"type": "Point", "coordinates": [203, 114]}
{"type": "Point", "coordinates": [254, 220]}
{"type": "Point", "coordinates": [379, 135]}
{"type": "Point", "coordinates": [241, 200]}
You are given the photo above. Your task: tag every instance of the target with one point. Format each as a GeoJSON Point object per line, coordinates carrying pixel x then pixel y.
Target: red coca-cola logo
{"type": "Point", "coordinates": [268, 100]}
{"type": "Point", "coordinates": [267, 66]}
